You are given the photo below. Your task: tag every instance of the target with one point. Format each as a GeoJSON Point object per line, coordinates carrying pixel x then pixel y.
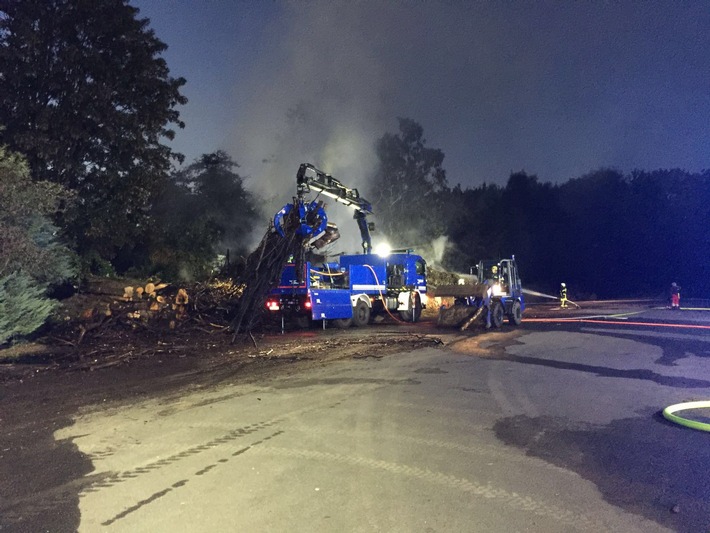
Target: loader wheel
{"type": "Point", "coordinates": [516, 314]}
{"type": "Point", "coordinates": [497, 314]}
{"type": "Point", "coordinates": [343, 323]}
{"type": "Point", "coordinates": [415, 313]}
{"type": "Point", "coordinates": [361, 314]}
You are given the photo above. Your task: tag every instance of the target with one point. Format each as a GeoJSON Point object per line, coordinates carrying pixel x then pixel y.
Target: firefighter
{"type": "Point", "coordinates": [563, 295]}
{"type": "Point", "coordinates": [487, 303]}
{"type": "Point", "coordinates": [675, 296]}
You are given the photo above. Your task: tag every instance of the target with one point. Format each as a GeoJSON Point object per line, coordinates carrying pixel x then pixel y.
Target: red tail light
{"type": "Point", "coordinates": [273, 305]}
{"type": "Point", "coordinates": [307, 303]}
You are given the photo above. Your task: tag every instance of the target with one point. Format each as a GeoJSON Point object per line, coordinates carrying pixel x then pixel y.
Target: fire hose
{"type": "Point", "coordinates": [382, 297]}
{"type": "Point", "coordinates": [669, 414]}
{"type": "Point", "coordinates": [542, 295]}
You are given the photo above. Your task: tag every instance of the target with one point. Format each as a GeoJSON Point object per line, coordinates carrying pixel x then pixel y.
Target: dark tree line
{"type": "Point", "coordinates": [612, 235]}
{"type": "Point", "coordinates": [605, 234]}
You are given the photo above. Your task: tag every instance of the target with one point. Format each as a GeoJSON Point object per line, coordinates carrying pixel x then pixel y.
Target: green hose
{"type": "Point", "coordinates": [669, 411]}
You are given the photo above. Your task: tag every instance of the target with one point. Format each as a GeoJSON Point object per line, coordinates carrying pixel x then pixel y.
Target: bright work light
{"type": "Point", "coordinates": [383, 249]}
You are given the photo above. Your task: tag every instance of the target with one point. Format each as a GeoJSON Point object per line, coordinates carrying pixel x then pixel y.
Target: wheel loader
{"type": "Point", "coordinates": [493, 294]}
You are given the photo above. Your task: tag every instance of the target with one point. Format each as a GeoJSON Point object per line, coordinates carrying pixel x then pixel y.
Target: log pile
{"type": "Point", "coordinates": [104, 318]}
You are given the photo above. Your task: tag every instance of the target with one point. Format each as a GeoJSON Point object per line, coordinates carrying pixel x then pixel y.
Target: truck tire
{"type": "Point", "coordinates": [343, 323]}
{"type": "Point", "coordinates": [516, 314]}
{"type": "Point", "coordinates": [361, 314]}
{"type": "Point", "coordinates": [415, 314]}
{"type": "Point", "coordinates": [497, 314]}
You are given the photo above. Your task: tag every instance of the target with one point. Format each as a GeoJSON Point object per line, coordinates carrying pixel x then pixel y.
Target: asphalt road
{"type": "Point", "coordinates": [554, 426]}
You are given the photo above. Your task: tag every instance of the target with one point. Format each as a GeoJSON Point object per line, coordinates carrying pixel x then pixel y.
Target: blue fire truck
{"type": "Point", "coordinates": [355, 288]}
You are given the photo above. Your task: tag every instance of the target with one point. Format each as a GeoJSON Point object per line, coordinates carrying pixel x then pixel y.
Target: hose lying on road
{"type": "Point", "coordinates": [669, 414]}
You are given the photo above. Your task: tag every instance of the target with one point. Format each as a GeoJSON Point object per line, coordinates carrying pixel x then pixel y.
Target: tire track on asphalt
{"type": "Point", "coordinates": [487, 450]}
{"type": "Point", "coordinates": [36, 505]}
{"type": "Point", "coordinates": [508, 499]}
{"type": "Point", "coordinates": [181, 483]}
{"type": "Point", "coordinates": [511, 400]}
{"type": "Point", "coordinates": [455, 411]}
{"type": "Point", "coordinates": [120, 477]}
{"type": "Point", "coordinates": [113, 479]}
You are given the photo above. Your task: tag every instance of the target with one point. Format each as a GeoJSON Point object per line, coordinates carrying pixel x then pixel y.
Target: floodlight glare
{"type": "Point", "coordinates": [383, 249]}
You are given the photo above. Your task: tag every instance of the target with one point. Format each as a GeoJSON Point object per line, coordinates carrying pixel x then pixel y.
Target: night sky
{"type": "Point", "coordinates": [557, 89]}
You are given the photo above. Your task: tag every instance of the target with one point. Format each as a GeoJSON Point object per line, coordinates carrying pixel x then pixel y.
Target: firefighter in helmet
{"type": "Point", "coordinates": [563, 295]}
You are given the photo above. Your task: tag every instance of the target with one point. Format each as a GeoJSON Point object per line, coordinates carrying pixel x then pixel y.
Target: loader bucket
{"type": "Point", "coordinates": [457, 315]}
{"type": "Point", "coordinates": [473, 290]}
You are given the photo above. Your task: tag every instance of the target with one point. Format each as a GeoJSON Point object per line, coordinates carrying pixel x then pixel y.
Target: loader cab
{"type": "Point", "coordinates": [486, 271]}
{"type": "Point", "coordinates": [503, 275]}
{"type": "Point", "coordinates": [510, 277]}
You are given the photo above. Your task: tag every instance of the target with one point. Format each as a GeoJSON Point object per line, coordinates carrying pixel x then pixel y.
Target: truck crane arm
{"type": "Point", "coordinates": [309, 178]}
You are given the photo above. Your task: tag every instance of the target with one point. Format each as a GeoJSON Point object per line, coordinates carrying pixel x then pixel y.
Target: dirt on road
{"type": "Point", "coordinates": [43, 387]}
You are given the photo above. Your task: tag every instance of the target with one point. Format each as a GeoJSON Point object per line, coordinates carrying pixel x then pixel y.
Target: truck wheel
{"type": "Point", "coordinates": [497, 314]}
{"type": "Point", "coordinates": [343, 323]}
{"type": "Point", "coordinates": [361, 314]}
{"type": "Point", "coordinates": [416, 311]}
{"type": "Point", "coordinates": [516, 314]}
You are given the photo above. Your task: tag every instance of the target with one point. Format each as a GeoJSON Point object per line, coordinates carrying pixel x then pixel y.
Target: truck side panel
{"type": "Point", "coordinates": [367, 278]}
{"type": "Point", "coordinates": [330, 303]}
